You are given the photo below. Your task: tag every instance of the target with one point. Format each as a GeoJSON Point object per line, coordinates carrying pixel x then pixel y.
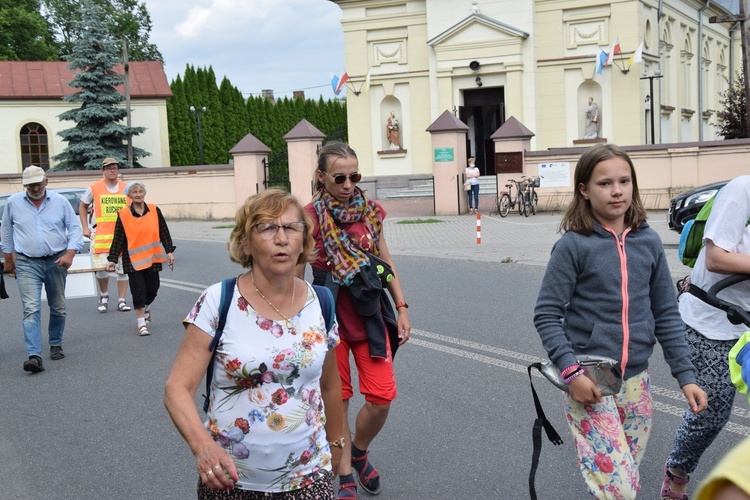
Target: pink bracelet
{"type": "Point", "coordinates": [572, 376]}
{"type": "Point", "coordinates": [569, 370]}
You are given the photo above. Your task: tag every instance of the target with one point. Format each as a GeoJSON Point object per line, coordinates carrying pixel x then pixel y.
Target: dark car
{"type": "Point", "coordinates": [73, 195]}
{"type": "Point", "coordinates": [686, 206]}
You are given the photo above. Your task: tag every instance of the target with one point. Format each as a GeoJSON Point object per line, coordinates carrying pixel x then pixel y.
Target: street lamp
{"type": "Point", "coordinates": [650, 78]}
{"type": "Point", "coordinates": [198, 113]}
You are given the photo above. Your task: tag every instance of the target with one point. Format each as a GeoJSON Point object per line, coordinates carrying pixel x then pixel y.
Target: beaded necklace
{"type": "Point", "coordinates": [287, 321]}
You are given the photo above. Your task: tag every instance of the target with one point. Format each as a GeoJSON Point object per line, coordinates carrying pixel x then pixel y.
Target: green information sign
{"type": "Point", "coordinates": [444, 154]}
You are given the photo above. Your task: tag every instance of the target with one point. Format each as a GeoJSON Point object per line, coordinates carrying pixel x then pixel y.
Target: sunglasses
{"type": "Point", "coordinates": [341, 178]}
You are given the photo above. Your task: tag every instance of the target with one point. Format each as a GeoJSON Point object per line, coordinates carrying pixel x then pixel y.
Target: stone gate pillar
{"type": "Point", "coordinates": [449, 157]}
{"type": "Point", "coordinates": [250, 158]}
{"type": "Point", "coordinates": [303, 143]}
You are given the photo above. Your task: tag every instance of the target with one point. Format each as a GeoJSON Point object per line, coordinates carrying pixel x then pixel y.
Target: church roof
{"type": "Point", "coordinates": [49, 80]}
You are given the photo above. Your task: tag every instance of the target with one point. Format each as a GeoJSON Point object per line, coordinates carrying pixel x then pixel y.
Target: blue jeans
{"type": "Point", "coordinates": [31, 273]}
{"type": "Point", "coordinates": [474, 193]}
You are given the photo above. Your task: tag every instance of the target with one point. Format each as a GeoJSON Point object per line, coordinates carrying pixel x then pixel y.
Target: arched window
{"type": "Point", "coordinates": [34, 146]}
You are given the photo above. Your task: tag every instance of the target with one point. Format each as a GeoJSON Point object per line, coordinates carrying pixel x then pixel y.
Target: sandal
{"type": "Point", "coordinates": [147, 317]}
{"type": "Point", "coordinates": [347, 487]}
{"type": "Point", "coordinates": [122, 306]}
{"type": "Point", "coordinates": [143, 331]}
{"type": "Point", "coordinates": [666, 487]}
{"type": "Point", "coordinates": [103, 304]}
{"type": "Point", "coordinates": [367, 475]}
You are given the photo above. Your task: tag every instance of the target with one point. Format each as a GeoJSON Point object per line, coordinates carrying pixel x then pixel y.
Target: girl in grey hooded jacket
{"type": "Point", "coordinates": [608, 291]}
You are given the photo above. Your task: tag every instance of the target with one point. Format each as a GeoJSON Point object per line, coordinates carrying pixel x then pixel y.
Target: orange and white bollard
{"type": "Point", "coordinates": [479, 229]}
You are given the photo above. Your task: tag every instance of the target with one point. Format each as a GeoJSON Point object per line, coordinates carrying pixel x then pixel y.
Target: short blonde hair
{"type": "Point", "coordinates": [264, 206]}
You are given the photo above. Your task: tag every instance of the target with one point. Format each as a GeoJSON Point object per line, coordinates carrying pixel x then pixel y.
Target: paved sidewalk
{"type": "Point", "coordinates": [513, 239]}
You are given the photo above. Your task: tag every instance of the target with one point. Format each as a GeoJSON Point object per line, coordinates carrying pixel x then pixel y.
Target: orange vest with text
{"type": "Point", "coordinates": [106, 206]}
{"type": "Point", "coordinates": [144, 244]}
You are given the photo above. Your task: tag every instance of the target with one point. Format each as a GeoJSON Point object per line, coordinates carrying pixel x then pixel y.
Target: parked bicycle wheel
{"type": "Point", "coordinates": [534, 202]}
{"type": "Point", "coordinates": [503, 205]}
{"type": "Point", "coordinates": [519, 202]}
{"type": "Point", "coordinates": [526, 202]}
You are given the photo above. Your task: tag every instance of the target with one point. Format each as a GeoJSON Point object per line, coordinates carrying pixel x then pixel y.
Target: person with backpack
{"type": "Point", "coordinates": [607, 291]}
{"type": "Point", "coordinates": [710, 334]}
{"type": "Point", "coordinates": [274, 417]}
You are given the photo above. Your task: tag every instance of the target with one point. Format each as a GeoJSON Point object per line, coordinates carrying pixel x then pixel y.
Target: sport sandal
{"type": "Point", "coordinates": [122, 306]}
{"type": "Point", "coordinates": [103, 304]}
{"type": "Point", "coordinates": [367, 475]}
{"type": "Point", "coordinates": [347, 488]}
{"type": "Point", "coordinates": [143, 331]}
{"type": "Point", "coordinates": [666, 488]}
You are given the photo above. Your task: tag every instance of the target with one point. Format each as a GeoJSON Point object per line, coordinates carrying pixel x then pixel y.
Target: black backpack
{"type": "Point", "coordinates": [227, 291]}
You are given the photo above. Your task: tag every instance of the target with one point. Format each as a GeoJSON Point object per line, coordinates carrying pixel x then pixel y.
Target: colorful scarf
{"type": "Point", "coordinates": [344, 257]}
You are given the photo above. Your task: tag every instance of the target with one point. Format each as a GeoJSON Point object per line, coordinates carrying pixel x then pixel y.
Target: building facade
{"type": "Point", "coordinates": [31, 101]}
{"type": "Point", "coordinates": [488, 60]}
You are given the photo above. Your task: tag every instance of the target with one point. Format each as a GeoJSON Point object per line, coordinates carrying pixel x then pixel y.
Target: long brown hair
{"type": "Point", "coordinates": [578, 217]}
{"type": "Point", "coordinates": [333, 149]}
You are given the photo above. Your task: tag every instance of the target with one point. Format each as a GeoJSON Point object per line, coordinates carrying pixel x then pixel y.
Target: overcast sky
{"type": "Point", "coordinates": [283, 45]}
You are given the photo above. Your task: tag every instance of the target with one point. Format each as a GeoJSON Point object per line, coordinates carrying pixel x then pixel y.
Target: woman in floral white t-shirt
{"type": "Point", "coordinates": [275, 420]}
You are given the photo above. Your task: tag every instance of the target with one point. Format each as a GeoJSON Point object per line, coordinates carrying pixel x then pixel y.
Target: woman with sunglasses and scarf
{"type": "Point", "coordinates": [347, 225]}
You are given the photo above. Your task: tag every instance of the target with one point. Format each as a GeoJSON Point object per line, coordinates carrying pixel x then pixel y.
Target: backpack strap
{"type": "Point", "coordinates": [325, 297]}
{"type": "Point", "coordinates": [227, 292]}
{"type": "Point", "coordinates": [539, 423]}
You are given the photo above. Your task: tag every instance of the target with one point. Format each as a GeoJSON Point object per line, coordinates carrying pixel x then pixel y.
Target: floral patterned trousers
{"type": "Point", "coordinates": [611, 436]}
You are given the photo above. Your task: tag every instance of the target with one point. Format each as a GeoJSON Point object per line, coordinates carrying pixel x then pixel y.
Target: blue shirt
{"type": "Point", "coordinates": [48, 230]}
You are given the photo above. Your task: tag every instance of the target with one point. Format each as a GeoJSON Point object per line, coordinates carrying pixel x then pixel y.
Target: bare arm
{"type": "Point", "coordinates": [330, 391]}
{"type": "Point", "coordinates": [179, 393]}
{"type": "Point", "coordinates": [83, 210]}
{"type": "Point", "coordinates": [404, 325]}
{"type": "Point", "coordinates": [720, 261]}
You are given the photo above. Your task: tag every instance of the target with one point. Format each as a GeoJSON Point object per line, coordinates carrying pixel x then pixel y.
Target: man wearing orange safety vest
{"type": "Point", "coordinates": [108, 198]}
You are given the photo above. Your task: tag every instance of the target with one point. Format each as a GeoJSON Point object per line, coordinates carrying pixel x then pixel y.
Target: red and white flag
{"type": "Point", "coordinates": [613, 51]}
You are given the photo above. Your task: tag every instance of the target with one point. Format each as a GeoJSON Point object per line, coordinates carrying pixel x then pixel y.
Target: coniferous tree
{"type": "Point", "coordinates": [733, 116]}
{"type": "Point", "coordinates": [98, 132]}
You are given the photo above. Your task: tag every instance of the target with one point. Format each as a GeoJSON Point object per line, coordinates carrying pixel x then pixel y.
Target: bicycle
{"type": "Point", "coordinates": [533, 182]}
{"type": "Point", "coordinates": [506, 201]}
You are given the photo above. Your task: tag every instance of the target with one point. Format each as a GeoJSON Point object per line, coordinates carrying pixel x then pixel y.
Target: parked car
{"type": "Point", "coordinates": [72, 194]}
{"type": "Point", "coordinates": [686, 206]}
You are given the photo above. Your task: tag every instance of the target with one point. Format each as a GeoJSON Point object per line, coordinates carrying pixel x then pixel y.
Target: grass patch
{"type": "Point", "coordinates": [418, 221]}
{"type": "Point", "coordinates": [230, 226]}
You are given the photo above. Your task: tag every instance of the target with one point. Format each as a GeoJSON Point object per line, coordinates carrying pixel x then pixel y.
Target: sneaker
{"type": "Point", "coordinates": [33, 364]}
{"type": "Point", "coordinates": [56, 352]}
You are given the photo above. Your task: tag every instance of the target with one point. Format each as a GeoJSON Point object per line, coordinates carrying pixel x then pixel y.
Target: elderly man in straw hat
{"type": "Point", "coordinates": [108, 196]}
{"type": "Point", "coordinates": [40, 258]}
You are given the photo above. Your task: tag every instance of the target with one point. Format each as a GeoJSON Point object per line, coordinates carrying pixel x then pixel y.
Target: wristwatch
{"type": "Point", "coordinates": [339, 443]}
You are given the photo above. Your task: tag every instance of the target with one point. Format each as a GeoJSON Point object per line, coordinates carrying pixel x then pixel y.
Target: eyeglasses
{"type": "Point", "coordinates": [268, 230]}
{"type": "Point", "coordinates": [111, 167]}
{"type": "Point", "coordinates": [37, 185]}
{"type": "Point", "coordinates": [341, 178]}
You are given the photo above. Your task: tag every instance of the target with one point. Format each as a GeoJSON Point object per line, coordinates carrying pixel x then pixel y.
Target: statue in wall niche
{"type": "Point", "coordinates": [592, 120]}
{"type": "Point", "coordinates": [391, 131]}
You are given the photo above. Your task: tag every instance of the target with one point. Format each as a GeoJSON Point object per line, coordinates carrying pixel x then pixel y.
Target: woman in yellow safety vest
{"type": "Point", "coordinates": [142, 237]}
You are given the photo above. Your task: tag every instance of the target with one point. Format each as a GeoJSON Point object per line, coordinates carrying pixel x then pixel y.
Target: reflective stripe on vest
{"type": "Point", "coordinates": [106, 207]}
{"type": "Point", "coordinates": [144, 245]}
